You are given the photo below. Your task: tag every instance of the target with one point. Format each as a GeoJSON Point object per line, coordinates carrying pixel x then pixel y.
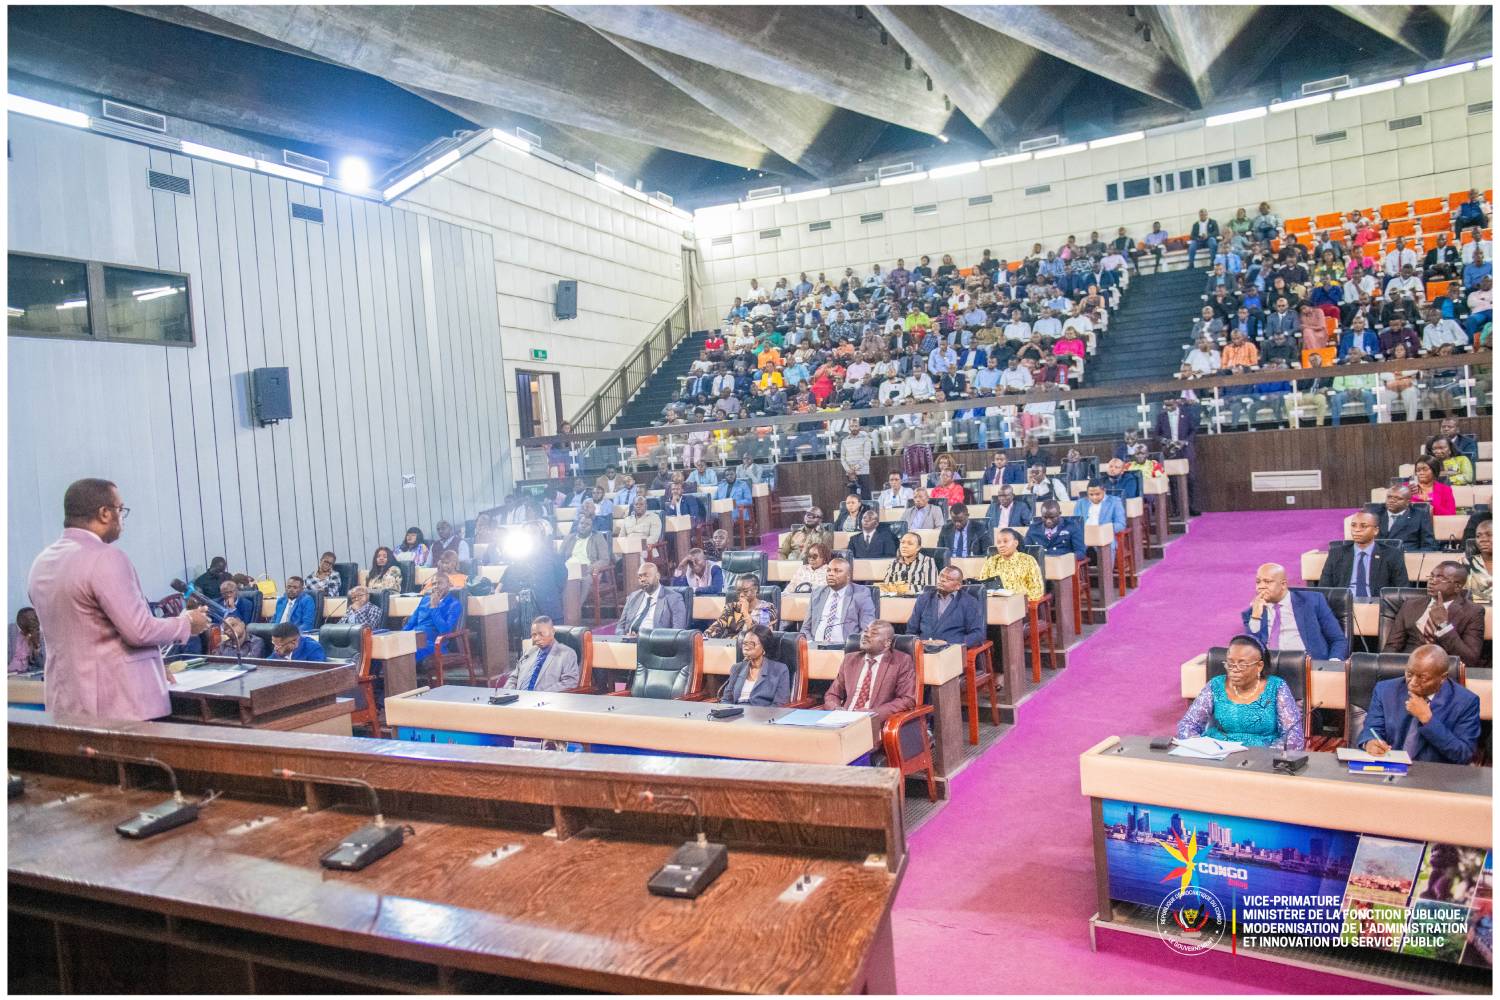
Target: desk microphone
{"type": "Point", "coordinates": [162, 817]}
{"type": "Point", "coordinates": [694, 865]}
{"type": "Point", "coordinates": [219, 612]}
{"type": "Point", "coordinates": [365, 845]}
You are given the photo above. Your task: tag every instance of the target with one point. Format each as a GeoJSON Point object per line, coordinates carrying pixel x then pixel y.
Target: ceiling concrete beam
{"type": "Point", "coordinates": [822, 52]}
{"type": "Point", "coordinates": [525, 59]}
{"type": "Point", "coordinates": [1004, 86]}
{"type": "Point", "coordinates": [1421, 29]}
{"type": "Point", "coordinates": [1221, 49]}
{"type": "Point", "coordinates": [1102, 40]}
{"type": "Point", "coordinates": [1462, 20]}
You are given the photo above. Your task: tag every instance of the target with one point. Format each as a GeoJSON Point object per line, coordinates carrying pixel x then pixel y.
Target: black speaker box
{"type": "Point", "coordinates": [566, 306]}
{"type": "Point", "coordinates": [271, 394]}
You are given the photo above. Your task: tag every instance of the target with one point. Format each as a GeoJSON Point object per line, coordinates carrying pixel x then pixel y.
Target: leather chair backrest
{"type": "Point", "coordinates": [738, 562]}
{"type": "Point", "coordinates": [382, 600]}
{"type": "Point", "coordinates": [939, 555]}
{"type": "Point", "coordinates": [771, 594]}
{"type": "Point", "coordinates": [1340, 601]}
{"type": "Point", "coordinates": [342, 642]}
{"type": "Point", "coordinates": [785, 647]}
{"type": "Point", "coordinates": [1368, 669]}
{"type": "Point", "coordinates": [575, 637]}
{"type": "Point", "coordinates": [1040, 555]}
{"type": "Point", "coordinates": [664, 662]}
{"type": "Point", "coordinates": [408, 576]}
{"type": "Point", "coordinates": [1291, 665]}
{"type": "Point", "coordinates": [263, 630]}
{"type": "Point", "coordinates": [349, 575]}
{"type": "Point", "coordinates": [1391, 599]}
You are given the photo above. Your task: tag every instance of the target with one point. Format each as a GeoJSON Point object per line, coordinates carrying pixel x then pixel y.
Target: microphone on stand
{"type": "Point", "coordinates": [219, 612]}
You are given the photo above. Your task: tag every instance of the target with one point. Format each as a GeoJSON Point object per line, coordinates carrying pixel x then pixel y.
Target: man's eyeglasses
{"type": "Point", "coordinates": [123, 511]}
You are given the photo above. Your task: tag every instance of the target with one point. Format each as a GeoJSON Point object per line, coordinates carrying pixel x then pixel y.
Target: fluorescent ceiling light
{"type": "Point", "coordinates": [809, 194]}
{"type": "Point", "coordinates": [916, 175]}
{"type": "Point", "coordinates": [1077, 147]}
{"type": "Point", "coordinates": [290, 173]}
{"type": "Point", "coordinates": [221, 155]}
{"type": "Point", "coordinates": [1433, 74]}
{"type": "Point", "coordinates": [1369, 88]}
{"type": "Point", "coordinates": [157, 294]}
{"type": "Point", "coordinates": [513, 141]}
{"type": "Point", "coordinates": [1000, 161]}
{"type": "Point", "coordinates": [1116, 140]}
{"type": "Point", "coordinates": [440, 164]}
{"type": "Point", "coordinates": [74, 304]}
{"type": "Point", "coordinates": [954, 170]}
{"type": "Point", "coordinates": [51, 112]}
{"type": "Point", "coordinates": [1235, 116]}
{"type": "Point", "coordinates": [1302, 102]}
{"type": "Point", "coordinates": [404, 184]}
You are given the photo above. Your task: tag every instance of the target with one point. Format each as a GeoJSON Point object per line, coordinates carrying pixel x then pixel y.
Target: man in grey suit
{"type": "Point", "coordinates": [838, 610]}
{"type": "Point", "coordinates": [548, 665]}
{"type": "Point", "coordinates": [652, 606]}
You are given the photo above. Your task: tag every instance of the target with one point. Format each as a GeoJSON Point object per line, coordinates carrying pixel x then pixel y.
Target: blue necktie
{"type": "Point", "coordinates": [536, 671]}
{"type": "Point", "coordinates": [1361, 574]}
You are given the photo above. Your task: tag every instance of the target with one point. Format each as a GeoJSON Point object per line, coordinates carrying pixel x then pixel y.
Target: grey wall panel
{"type": "Point", "coordinates": [388, 321]}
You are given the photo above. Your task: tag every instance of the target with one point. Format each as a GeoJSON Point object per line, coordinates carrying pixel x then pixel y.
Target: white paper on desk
{"type": "Point", "coordinates": [1390, 757]}
{"type": "Point", "coordinates": [816, 719]}
{"type": "Point", "coordinates": [1204, 748]}
{"type": "Point", "coordinates": [193, 680]}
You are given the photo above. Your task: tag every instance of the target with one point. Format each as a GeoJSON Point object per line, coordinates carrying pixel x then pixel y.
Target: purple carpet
{"type": "Point", "coordinates": [999, 884]}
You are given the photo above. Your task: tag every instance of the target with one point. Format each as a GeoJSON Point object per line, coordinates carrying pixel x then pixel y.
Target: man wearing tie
{"type": "Point", "coordinates": [548, 665]}
{"type": "Point", "coordinates": [1004, 512]}
{"type": "Point", "coordinates": [1403, 523]}
{"type": "Point", "coordinates": [962, 539]}
{"type": "Point", "coordinates": [1424, 713]}
{"type": "Point", "coordinates": [1445, 617]}
{"type": "Point", "coordinates": [1176, 429]}
{"type": "Point", "coordinates": [652, 606]}
{"type": "Point", "coordinates": [1283, 619]}
{"type": "Point", "coordinates": [947, 614]}
{"type": "Point", "coordinates": [877, 678]}
{"type": "Point", "coordinates": [1364, 565]}
{"type": "Point", "coordinates": [838, 610]}
{"type": "Point", "coordinates": [872, 541]}
{"type": "Point", "coordinates": [295, 606]}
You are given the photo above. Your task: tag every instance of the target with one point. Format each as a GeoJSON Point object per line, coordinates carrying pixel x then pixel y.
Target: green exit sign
{"type": "Point", "coordinates": [538, 355]}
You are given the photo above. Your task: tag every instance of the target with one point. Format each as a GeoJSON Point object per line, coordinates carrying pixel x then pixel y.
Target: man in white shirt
{"type": "Point", "coordinates": [894, 391]}
{"type": "Point", "coordinates": [988, 378]}
{"type": "Point", "coordinates": [894, 495]}
{"type": "Point", "coordinates": [920, 385]}
{"type": "Point", "coordinates": [1407, 282]}
{"type": "Point", "coordinates": [1204, 358]}
{"type": "Point", "coordinates": [754, 292]}
{"type": "Point", "coordinates": [723, 382]}
{"type": "Point", "coordinates": [1049, 325]}
{"type": "Point", "coordinates": [942, 358]}
{"type": "Point", "coordinates": [1466, 252]}
{"type": "Point", "coordinates": [1438, 332]}
{"type": "Point", "coordinates": [762, 309]}
{"type": "Point", "coordinates": [1015, 378]}
{"type": "Point", "coordinates": [1400, 257]}
{"type": "Point", "coordinates": [857, 372]}
{"type": "Point", "coordinates": [1017, 328]}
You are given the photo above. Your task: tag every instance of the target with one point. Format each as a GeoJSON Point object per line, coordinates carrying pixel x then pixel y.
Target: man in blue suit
{"type": "Point", "coordinates": [1098, 507]}
{"type": "Point", "coordinates": [1121, 481]}
{"type": "Point", "coordinates": [1057, 535]}
{"type": "Point", "coordinates": [1001, 471]}
{"type": "Point", "coordinates": [947, 613]}
{"type": "Point", "coordinates": [436, 614]}
{"type": "Point", "coordinates": [295, 606]}
{"type": "Point", "coordinates": [287, 643]}
{"type": "Point", "coordinates": [243, 605]}
{"type": "Point", "coordinates": [1424, 713]}
{"type": "Point", "coordinates": [1283, 619]}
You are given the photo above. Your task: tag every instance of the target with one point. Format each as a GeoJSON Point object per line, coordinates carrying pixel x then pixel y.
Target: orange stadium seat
{"type": "Point", "coordinates": [1426, 206]}
{"type": "Point", "coordinates": [1395, 210]}
{"type": "Point", "coordinates": [1436, 290]}
{"type": "Point", "coordinates": [1456, 199]}
{"type": "Point", "coordinates": [1301, 225]}
{"type": "Point", "coordinates": [1429, 241]}
{"type": "Point", "coordinates": [1435, 222]}
{"type": "Point", "coordinates": [1013, 265]}
{"type": "Point", "coordinates": [1328, 220]}
{"type": "Point", "coordinates": [1401, 227]}
{"type": "Point", "coordinates": [1328, 354]}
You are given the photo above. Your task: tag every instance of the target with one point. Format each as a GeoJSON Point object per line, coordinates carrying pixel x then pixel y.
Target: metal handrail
{"type": "Point", "coordinates": [604, 405]}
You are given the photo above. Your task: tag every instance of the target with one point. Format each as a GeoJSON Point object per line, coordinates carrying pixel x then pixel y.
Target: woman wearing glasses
{"type": "Point", "coordinates": [1245, 706]}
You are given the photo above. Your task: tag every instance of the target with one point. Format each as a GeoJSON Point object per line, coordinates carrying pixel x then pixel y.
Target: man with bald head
{"type": "Point", "coordinates": [1445, 617]}
{"type": "Point", "coordinates": [875, 678]}
{"type": "Point", "coordinates": [1401, 522]}
{"type": "Point", "coordinates": [651, 606]}
{"type": "Point", "coordinates": [1424, 713]}
{"type": "Point", "coordinates": [1282, 618]}
{"type": "Point", "coordinates": [1365, 564]}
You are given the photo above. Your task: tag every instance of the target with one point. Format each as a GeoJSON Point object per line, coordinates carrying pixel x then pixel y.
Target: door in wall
{"type": "Point", "coordinates": [538, 403]}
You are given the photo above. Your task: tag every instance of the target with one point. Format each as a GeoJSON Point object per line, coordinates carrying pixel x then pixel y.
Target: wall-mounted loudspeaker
{"type": "Point", "coordinates": [566, 306]}
{"type": "Point", "coordinates": [271, 395]}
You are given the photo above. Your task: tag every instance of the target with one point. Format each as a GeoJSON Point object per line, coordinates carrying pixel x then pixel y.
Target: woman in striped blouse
{"type": "Point", "coordinates": [1011, 568]}
{"type": "Point", "coordinates": [912, 566]}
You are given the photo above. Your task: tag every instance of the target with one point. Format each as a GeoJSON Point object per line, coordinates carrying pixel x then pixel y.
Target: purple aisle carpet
{"type": "Point", "coordinates": [999, 885]}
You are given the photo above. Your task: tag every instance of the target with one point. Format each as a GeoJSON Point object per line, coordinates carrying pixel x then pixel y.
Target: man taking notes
{"type": "Point", "coordinates": [1424, 713]}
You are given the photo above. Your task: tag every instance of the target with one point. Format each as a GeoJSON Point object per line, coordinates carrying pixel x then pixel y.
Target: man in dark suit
{"type": "Point", "coordinates": [948, 614]}
{"type": "Point", "coordinates": [652, 606]}
{"type": "Point", "coordinates": [873, 541]}
{"type": "Point", "coordinates": [243, 605]}
{"type": "Point", "coordinates": [877, 678]}
{"type": "Point", "coordinates": [1366, 564]}
{"type": "Point", "coordinates": [1445, 617]}
{"type": "Point", "coordinates": [962, 539]}
{"type": "Point", "coordinates": [1403, 523]}
{"type": "Point", "coordinates": [1424, 713]}
{"type": "Point", "coordinates": [1056, 534]}
{"type": "Point", "coordinates": [1002, 470]}
{"type": "Point", "coordinates": [840, 609]}
{"type": "Point", "coordinates": [1118, 479]}
{"type": "Point", "coordinates": [1463, 444]}
{"type": "Point", "coordinates": [1285, 619]}
{"type": "Point", "coordinates": [1004, 512]}
{"type": "Point", "coordinates": [1176, 429]}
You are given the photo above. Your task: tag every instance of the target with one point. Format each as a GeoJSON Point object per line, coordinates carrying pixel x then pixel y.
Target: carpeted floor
{"type": "Point", "coordinates": [999, 885]}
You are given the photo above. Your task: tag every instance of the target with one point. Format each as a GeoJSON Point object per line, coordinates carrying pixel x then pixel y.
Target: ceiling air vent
{"type": "Point", "coordinates": [819, 227]}
{"type": "Point", "coordinates": [1043, 143]}
{"type": "Point", "coordinates": [1396, 124]}
{"type": "Point", "coordinates": [1278, 482]}
{"type": "Point", "coordinates": [117, 112]}
{"type": "Point", "coordinates": [895, 170]}
{"type": "Point", "coordinates": [1039, 189]}
{"type": "Point", "coordinates": [1482, 108]}
{"type": "Point", "coordinates": [1324, 138]}
{"type": "Point", "coordinates": [307, 213]}
{"type": "Point", "coordinates": [169, 182]}
{"type": "Point", "coordinates": [925, 209]}
{"type": "Point", "coordinates": [1323, 86]}
{"type": "Point", "coordinates": [310, 163]}
{"type": "Point", "coordinates": [865, 220]}
{"type": "Point", "coordinates": [530, 137]}
{"type": "Point", "coordinates": [721, 241]}
{"type": "Point", "coordinates": [981, 199]}
{"type": "Point", "coordinates": [766, 192]}
{"type": "Point", "coordinates": [769, 234]}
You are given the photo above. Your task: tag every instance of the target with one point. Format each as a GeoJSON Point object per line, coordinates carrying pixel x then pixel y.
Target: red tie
{"type": "Point", "coordinates": [862, 700]}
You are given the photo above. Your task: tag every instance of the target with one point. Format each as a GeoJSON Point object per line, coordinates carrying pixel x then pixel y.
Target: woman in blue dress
{"type": "Point", "coordinates": [1245, 706]}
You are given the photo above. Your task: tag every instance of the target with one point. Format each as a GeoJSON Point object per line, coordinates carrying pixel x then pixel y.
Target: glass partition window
{"type": "Point", "coordinates": [146, 306]}
{"type": "Point", "coordinates": [47, 297]}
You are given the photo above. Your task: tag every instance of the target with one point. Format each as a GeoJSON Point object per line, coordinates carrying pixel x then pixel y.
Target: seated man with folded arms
{"type": "Point", "coordinates": [1424, 713]}
{"type": "Point", "coordinates": [838, 610]}
{"type": "Point", "coordinates": [795, 542]}
{"type": "Point", "coordinates": [548, 665]}
{"type": "Point", "coordinates": [947, 614]}
{"type": "Point", "coordinates": [1445, 618]}
{"type": "Point", "coordinates": [700, 573]}
{"type": "Point", "coordinates": [1284, 619]}
{"type": "Point", "coordinates": [651, 606]}
{"type": "Point", "coordinates": [875, 678]}
{"type": "Point", "coordinates": [873, 541]}
{"type": "Point", "coordinates": [1361, 565]}
{"type": "Point", "coordinates": [288, 643]}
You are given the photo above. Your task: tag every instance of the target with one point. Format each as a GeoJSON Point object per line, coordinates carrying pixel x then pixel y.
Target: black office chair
{"type": "Point", "coordinates": [686, 593]}
{"type": "Point", "coordinates": [348, 575]}
{"type": "Point", "coordinates": [1391, 599]}
{"type": "Point", "coordinates": [668, 663]}
{"type": "Point", "coordinates": [771, 594]}
{"type": "Point", "coordinates": [1294, 667]}
{"type": "Point", "coordinates": [581, 641]}
{"type": "Point", "coordinates": [382, 600]}
{"type": "Point", "coordinates": [939, 555]}
{"type": "Point", "coordinates": [790, 648]}
{"type": "Point", "coordinates": [408, 575]}
{"type": "Point", "coordinates": [342, 642]}
{"type": "Point", "coordinates": [1340, 602]}
{"type": "Point", "coordinates": [1368, 669]}
{"type": "Point", "coordinates": [263, 630]}
{"type": "Point", "coordinates": [738, 562]}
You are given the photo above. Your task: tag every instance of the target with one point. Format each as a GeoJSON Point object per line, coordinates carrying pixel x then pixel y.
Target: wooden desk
{"type": "Point", "coordinates": [1155, 491]}
{"type": "Point", "coordinates": [680, 530]}
{"type": "Point", "coordinates": [760, 493]}
{"type": "Point", "coordinates": [26, 691]}
{"type": "Point", "coordinates": [441, 914]}
{"type": "Point", "coordinates": [1178, 470]}
{"type": "Point", "coordinates": [274, 694]}
{"type": "Point", "coordinates": [1101, 539]}
{"type": "Point", "coordinates": [628, 550]}
{"type": "Point", "coordinates": [723, 513]}
{"type": "Point", "coordinates": [395, 654]}
{"type": "Point", "coordinates": [1058, 575]}
{"type": "Point", "coordinates": [782, 570]}
{"type": "Point", "coordinates": [489, 617]}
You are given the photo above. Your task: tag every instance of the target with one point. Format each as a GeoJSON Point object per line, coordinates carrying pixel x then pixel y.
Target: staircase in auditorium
{"type": "Point", "coordinates": [661, 387]}
{"type": "Point", "coordinates": [1147, 333]}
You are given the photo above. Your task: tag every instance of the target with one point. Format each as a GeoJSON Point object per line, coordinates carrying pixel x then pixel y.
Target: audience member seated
{"type": "Point", "coordinates": [1099, 507]}
{"type": "Point", "coordinates": [548, 665]}
{"type": "Point", "coordinates": [1457, 470]}
{"type": "Point", "coordinates": [384, 573]}
{"type": "Point", "coordinates": [850, 514]}
{"type": "Point", "coordinates": [756, 680]}
{"type": "Point", "coordinates": [1243, 705]}
{"type": "Point", "coordinates": [235, 640]}
{"type": "Point", "coordinates": [700, 573]}
{"type": "Point", "coordinates": [323, 581]}
{"type": "Point", "coordinates": [947, 613]}
{"type": "Point", "coordinates": [1011, 568]}
{"type": "Point", "coordinates": [362, 611]}
{"type": "Point", "coordinates": [839, 609]}
{"type": "Point", "coordinates": [1280, 618]}
{"type": "Point", "coordinates": [244, 604]}
{"type": "Point", "coordinates": [294, 606]}
{"type": "Point", "coordinates": [1004, 512]}
{"type": "Point", "coordinates": [589, 549]}
{"type": "Point", "coordinates": [922, 514]}
{"type": "Point", "coordinates": [27, 650]}
{"type": "Point", "coordinates": [873, 541]}
{"type": "Point", "coordinates": [877, 678]}
{"type": "Point", "coordinates": [436, 614]}
{"type": "Point", "coordinates": [1119, 481]}
{"type": "Point", "coordinates": [813, 573]}
{"type": "Point", "coordinates": [641, 523]}
{"type": "Point", "coordinates": [1426, 714]}
{"type": "Point", "coordinates": [1002, 470]}
{"type": "Point", "coordinates": [895, 494]}
{"type": "Point", "coordinates": [948, 489]}
{"type": "Point", "coordinates": [1444, 617]}
{"type": "Point", "coordinates": [810, 532]}
{"type": "Point", "coordinates": [448, 566]}
{"type": "Point", "coordinates": [1481, 564]}
{"type": "Point", "coordinates": [1463, 444]}
{"type": "Point", "coordinates": [651, 605]}
{"type": "Point", "coordinates": [962, 538]}
{"type": "Point", "coordinates": [448, 540]}
{"type": "Point", "coordinates": [413, 548]}
{"type": "Point", "coordinates": [1042, 487]}
{"type": "Point", "coordinates": [288, 643]}
{"type": "Point", "coordinates": [1055, 534]}
{"type": "Point", "coordinates": [211, 579]}
{"type": "Point", "coordinates": [1425, 486]}
{"type": "Point", "coordinates": [743, 611]}
{"type": "Point", "coordinates": [1363, 565]}
{"type": "Point", "coordinates": [912, 570]}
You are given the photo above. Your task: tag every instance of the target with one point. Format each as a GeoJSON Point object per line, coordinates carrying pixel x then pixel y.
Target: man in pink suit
{"type": "Point", "coordinates": [102, 655]}
{"type": "Point", "coordinates": [877, 679]}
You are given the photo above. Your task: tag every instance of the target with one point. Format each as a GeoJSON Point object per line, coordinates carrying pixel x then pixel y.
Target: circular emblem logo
{"type": "Point", "coordinates": [1191, 920]}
